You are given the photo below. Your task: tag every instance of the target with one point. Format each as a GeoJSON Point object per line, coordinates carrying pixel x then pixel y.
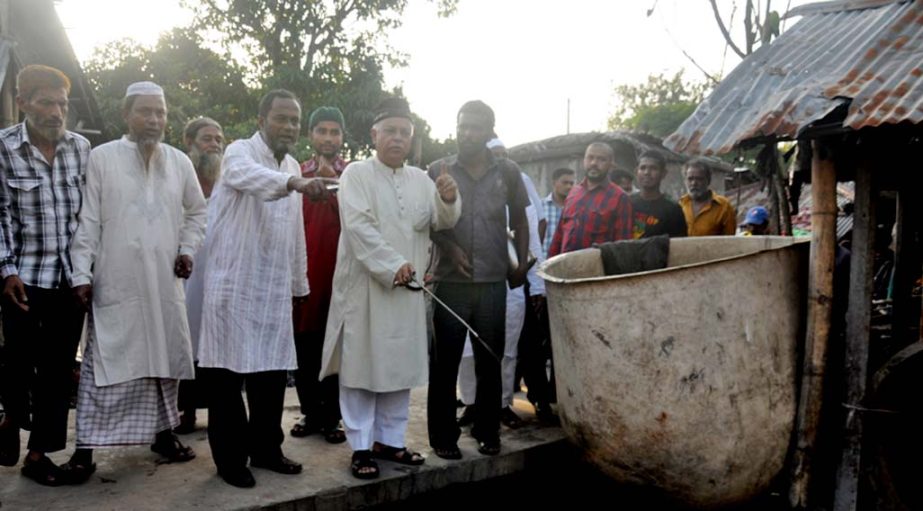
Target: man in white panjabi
{"type": "Point", "coordinates": [256, 267]}
{"type": "Point", "coordinates": [141, 221]}
{"type": "Point", "coordinates": [376, 332]}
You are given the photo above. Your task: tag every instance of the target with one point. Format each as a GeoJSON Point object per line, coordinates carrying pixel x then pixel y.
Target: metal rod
{"type": "Point", "coordinates": [474, 335]}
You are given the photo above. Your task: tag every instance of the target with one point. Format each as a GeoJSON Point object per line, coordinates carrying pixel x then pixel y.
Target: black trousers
{"type": "Point", "coordinates": [320, 399]}
{"type": "Point", "coordinates": [534, 354]}
{"type": "Point", "coordinates": [190, 394]}
{"type": "Point", "coordinates": [232, 436]}
{"type": "Point", "coordinates": [483, 306]}
{"type": "Point", "coordinates": [38, 377]}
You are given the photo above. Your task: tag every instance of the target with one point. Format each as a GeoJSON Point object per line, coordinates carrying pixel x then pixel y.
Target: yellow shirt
{"type": "Point", "coordinates": [717, 218]}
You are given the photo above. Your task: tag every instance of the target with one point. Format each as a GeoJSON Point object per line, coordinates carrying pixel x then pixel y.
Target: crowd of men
{"type": "Point", "coordinates": [227, 267]}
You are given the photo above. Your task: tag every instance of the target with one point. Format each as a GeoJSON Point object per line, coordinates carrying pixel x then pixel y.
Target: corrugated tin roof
{"type": "Point", "coordinates": [867, 55]}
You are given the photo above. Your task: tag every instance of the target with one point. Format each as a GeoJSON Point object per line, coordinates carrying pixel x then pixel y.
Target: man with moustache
{"type": "Point", "coordinates": [255, 274]}
{"type": "Point", "coordinates": [319, 399]}
{"type": "Point", "coordinates": [707, 213]}
{"type": "Point", "coordinates": [42, 167]}
{"type": "Point", "coordinates": [142, 219]}
{"type": "Point", "coordinates": [204, 140]}
{"type": "Point", "coordinates": [596, 210]}
{"type": "Point", "coordinates": [471, 270]}
{"type": "Point", "coordinates": [376, 334]}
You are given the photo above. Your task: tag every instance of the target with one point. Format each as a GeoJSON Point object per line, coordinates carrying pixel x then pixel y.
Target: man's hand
{"type": "Point", "coordinates": [296, 300]}
{"type": "Point", "coordinates": [14, 291]}
{"type": "Point", "coordinates": [404, 275]}
{"type": "Point", "coordinates": [315, 188]}
{"type": "Point", "coordinates": [460, 259]}
{"type": "Point", "coordinates": [183, 266]}
{"type": "Point", "coordinates": [325, 168]}
{"type": "Point", "coordinates": [84, 296]}
{"type": "Point", "coordinates": [517, 277]}
{"type": "Point", "coordinates": [447, 187]}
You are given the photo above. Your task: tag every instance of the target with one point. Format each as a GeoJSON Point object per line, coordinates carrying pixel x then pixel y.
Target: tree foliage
{"type": "Point", "coordinates": [196, 82]}
{"type": "Point", "coordinates": [328, 52]}
{"type": "Point", "coordinates": [657, 106]}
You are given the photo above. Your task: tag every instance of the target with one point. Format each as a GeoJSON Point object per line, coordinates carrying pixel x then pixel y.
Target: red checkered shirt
{"type": "Point", "coordinates": [592, 216]}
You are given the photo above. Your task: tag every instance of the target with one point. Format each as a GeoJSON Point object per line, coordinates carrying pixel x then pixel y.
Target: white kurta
{"type": "Point", "coordinates": [195, 294]}
{"type": "Point", "coordinates": [376, 332]}
{"type": "Point", "coordinates": [133, 223]}
{"type": "Point", "coordinates": [256, 262]}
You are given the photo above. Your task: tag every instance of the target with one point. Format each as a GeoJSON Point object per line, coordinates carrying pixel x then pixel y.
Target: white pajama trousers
{"type": "Point", "coordinates": [515, 319]}
{"type": "Point", "coordinates": [370, 417]}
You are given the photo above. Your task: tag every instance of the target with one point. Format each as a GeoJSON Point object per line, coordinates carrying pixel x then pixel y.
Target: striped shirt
{"type": "Point", "coordinates": [38, 206]}
{"type": "Point", "coordinates": [553, 214]}
{"type": "Point", "coordinates": [592, 216]}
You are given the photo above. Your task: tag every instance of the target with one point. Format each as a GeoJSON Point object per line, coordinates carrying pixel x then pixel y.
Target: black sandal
{"type": "Point", "coordinates": [400, 455]}
{"type": "Point", "coordinates": [77, 473]}
{"type": "Point", "coordinates": [172, 449]}
{"type": "Point", "coordinates": [363, 466]}
{"type": "Point", "coordinates": [43, 471]}
{"type": "Point", "coordinates": [448, 453]}
{"type": "Point", "coordinates": [334, 435]}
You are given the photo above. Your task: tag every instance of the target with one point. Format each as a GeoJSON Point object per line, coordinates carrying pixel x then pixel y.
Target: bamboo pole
{"type": "Point", "coordinates": [820, 302]}
{"type": "Point", "coordinates": [858, 320]}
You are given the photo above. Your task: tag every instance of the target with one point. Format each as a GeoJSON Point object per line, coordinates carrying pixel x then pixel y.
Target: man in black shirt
{"type": "Point", "coordinates": [653, 212]}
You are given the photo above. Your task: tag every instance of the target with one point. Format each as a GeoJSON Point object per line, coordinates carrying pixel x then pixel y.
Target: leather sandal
{"type": "Point", "coordinates": [363, 466]}
{"type": "Point", "coordinates": [448, 453]}
{"type": "Point", "coordinates": [43, 471]}
{"type": "Point", "coordinates": [400, 455]}
{"type": "Point", "coordinates": [76, 473]}
{"type": "Point", "coordinates": [173, 450]}
{"type": "Point", "coordinates": [334, 435]}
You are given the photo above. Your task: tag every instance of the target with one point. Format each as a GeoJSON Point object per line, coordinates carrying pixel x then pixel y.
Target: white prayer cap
{"type": "Point", "coordinates": [144, 89]}
{"type": "Point", "coordinates": [494, 142]}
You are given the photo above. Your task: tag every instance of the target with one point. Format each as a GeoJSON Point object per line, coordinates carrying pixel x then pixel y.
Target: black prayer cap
{"type": "Point", "coordinates": [392, 107]}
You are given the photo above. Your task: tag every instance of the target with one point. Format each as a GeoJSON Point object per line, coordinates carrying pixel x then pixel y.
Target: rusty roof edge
{"type": "Point", "coordinates": [837, 6]}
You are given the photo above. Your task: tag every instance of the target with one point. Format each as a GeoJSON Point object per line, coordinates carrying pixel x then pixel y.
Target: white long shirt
{"type": "Point", "coordinates": [134, 221]}
{"type": "Point", "coordinates": [376, 332]}
{"type": "Point", "coordinates": [256, 262]}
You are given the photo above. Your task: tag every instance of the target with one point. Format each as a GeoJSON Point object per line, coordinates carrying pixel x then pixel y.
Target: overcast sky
{"type": "Point", "coordinates": [525, 58]}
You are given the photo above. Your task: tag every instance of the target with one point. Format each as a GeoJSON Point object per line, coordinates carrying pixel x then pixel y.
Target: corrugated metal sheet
{"type": "Point", "coordinates": [839, 53]}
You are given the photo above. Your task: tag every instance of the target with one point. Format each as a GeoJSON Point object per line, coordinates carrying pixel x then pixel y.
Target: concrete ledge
{"type": "Point", "coordinates": [132, 478]}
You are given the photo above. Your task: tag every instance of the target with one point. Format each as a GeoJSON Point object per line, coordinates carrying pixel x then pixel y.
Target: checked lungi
{"type": "Point", "coordinates": [129, 413]}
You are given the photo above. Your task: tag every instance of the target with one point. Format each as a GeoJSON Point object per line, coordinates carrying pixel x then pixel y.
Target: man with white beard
{"type": "Point", "coordinates": [142, 219]}
{"type": "Point", "coordinates": [204, 140]}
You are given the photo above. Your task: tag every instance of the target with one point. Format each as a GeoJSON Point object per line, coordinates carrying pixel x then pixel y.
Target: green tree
{"type": "Point", "coordinates": [657, 106]}
{"type": "Point", "coordinates": [196, 82]}
{"type": "Point", "coordinates": [328, 52]}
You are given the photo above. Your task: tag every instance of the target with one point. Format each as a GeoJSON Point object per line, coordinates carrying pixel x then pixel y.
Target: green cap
{"type": "Point", "coordinates": [326, 113]}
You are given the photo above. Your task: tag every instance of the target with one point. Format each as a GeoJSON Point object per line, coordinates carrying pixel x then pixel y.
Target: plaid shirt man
{"type": "Point", "coordinates": [38, 206]}
{"type": "Point", "coordinates": [553, 214]}
{"type": "Point", "coordinates": [592, 216]}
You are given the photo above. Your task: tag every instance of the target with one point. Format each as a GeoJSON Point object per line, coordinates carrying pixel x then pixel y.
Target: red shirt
{"type": "Point", "coordinates": [592, 216]}
{"type": "Point", "coordinates": [321, 233]}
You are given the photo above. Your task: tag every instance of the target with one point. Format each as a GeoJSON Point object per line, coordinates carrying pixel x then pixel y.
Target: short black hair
{"type": "Point", "coordinates": [650, 154]}
{"type": "Point", "coordinates": [563, 171]}
{"type": "Point", "coordinates": [617, 174]}
{"type": "Point", "coordinates": [269, 97]}
{"type": "Point", "coordinates": [479, 107]}
{"type": "Point", "coordinates": [698, 163]}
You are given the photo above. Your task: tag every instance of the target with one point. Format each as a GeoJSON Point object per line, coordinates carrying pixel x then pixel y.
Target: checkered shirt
{"type": "Point", "coordinates": [38, 206]}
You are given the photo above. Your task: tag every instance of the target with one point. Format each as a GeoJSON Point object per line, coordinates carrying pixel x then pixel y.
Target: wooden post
{"type": "Point", "coordinates": [820, 303]}
{"type": "Point", "coordinates": [858, 319]}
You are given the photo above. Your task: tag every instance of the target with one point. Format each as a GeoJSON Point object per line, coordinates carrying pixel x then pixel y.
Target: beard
{"type": "Point", "coordinates": [49, 133]}
{"type": "Point", "coordinates": [148, 143]}
{"type": "Point", "coordinates": [207, 165]}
